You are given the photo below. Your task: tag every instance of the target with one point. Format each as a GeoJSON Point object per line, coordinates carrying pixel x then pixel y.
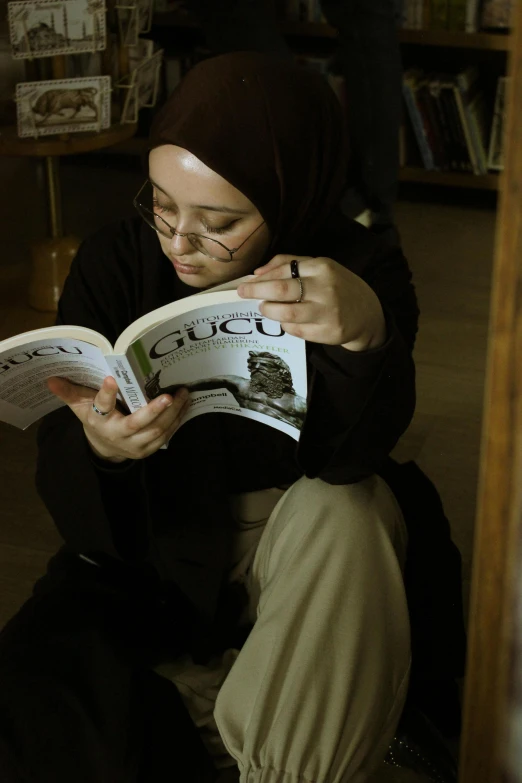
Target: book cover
{"type": "Point", "coordinates": [444, 103]}
{"type": "Point", "coordinates": [457, 15]}
{"type": "Point", "coordinates": [431, 123]}
{"type": "Point", "coordinates": [461, 150]}
{"type": "Point", "coordinates": [439, 14]}
{"type": "Point", "coordinates": [497, 140]}
{"type": "Point", "coordinates": [472, 12]}
{"type": "Point", "coordinates": [232, 359]}
{"type": "Point", "coordinates": [496, 14]}
{"type": "Point", "coordinates": [409, 86]}
{"type": "Point", "coordinates": [409, 14]}
{"type": "Point", "coordinates": [434, 86]}
{"type": "Point", "coordinates": [473, 108]}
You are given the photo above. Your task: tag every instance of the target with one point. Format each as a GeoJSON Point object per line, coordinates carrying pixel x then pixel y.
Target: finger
{"type": "Point", "coordinates": [176, 424]}
{"type": "Point", "coordinates": [145, 417]}
{"type": "Point", "coordinates": [69, 392]}
{"type": "Point", "coordinates": [105, 400]}
{"type": "Point", "coordinates": [281, 264]}
{"type": "Point", "coordinates": [295, 313]}
{"type": "Point", "coordinates": [154, 440]}
{"type": "Point", "coordinates": [285, 290]}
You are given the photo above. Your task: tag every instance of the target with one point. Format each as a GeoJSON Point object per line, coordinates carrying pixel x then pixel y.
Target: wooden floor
{"type": "Point", "coordinates": [449, 247]}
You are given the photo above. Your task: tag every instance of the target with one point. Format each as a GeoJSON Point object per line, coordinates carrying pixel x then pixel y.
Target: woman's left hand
{"type": "Point", "coordinates": [337, 308]}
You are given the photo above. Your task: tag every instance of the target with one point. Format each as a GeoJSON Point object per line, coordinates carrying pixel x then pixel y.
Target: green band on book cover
{"type": "Point", "coordinates": [141, 357]}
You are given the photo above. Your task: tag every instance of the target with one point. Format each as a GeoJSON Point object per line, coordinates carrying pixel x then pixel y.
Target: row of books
{"type": "Point", "coordinates": [447, 123]}
{"type": "Point", "coordinates": [457, 15]}
{"type": "Point", "coordinates": [468, 16]}
{"type": "Point", "coordinates": [303, 11]}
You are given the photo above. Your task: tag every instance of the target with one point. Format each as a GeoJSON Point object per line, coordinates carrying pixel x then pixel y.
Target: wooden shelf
{"type": "Point", "coordinates": [134, 146]}
{"type": "Point", "coordinates": [489, 41]}
{"type": "Point", "coordinates": [442, 38]}
{"type": "Point", "coordinates": [449, 178]}
{"type": "Point", "coordinates": [73, 144]}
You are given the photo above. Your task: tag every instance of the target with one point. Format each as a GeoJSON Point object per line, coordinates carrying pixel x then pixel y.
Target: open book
{"type": "Point", "coordinates": [230, 357]}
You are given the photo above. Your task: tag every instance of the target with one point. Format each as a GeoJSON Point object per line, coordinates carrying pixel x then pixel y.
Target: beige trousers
{"type": "Point", "coordinates": [316, 692]}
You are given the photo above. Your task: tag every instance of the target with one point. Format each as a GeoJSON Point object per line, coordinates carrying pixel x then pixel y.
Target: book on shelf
{"type": "Point", "coordinates": [456, 15]}
{"type": "Point", "coordinates": [472, 16]}
{"type": "Point", "coordinates": [471, 105]}
{"type": "Point", "coordinates": [409, 90]}
{"type": "Point", "coordinates": [439, 16]}
{"type": "Point", "coordinates": [496, 14]}
{"type": "Point", "coordinates": [447, 113]}
{"type": "Point", "coordinates": [497, 137]}
{"type": "Point", "coordinates": [304, 11]}
{"type": "Point", "coordinates": [230, 357]}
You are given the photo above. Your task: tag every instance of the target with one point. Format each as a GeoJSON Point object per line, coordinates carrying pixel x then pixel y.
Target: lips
{"type": "Point", "coordinates": [186, 269]}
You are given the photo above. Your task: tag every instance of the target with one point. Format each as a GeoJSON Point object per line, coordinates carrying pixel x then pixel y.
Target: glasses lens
{"type": "Point", "coordinates": [209, 247]}
{"type": "Point", "coordinates": [152, 214]}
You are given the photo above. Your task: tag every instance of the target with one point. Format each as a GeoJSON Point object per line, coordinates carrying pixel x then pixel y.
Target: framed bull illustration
{"type": "Point", "coordinates": [63, 106]}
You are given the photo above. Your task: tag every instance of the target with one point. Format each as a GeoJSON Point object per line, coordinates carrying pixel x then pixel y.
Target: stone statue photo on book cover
{"type": "Point", "coordinates": [269, 389]}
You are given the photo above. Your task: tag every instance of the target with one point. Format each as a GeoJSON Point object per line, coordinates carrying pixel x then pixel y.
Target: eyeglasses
{"type": "Point", "coordinates": [206, 245]}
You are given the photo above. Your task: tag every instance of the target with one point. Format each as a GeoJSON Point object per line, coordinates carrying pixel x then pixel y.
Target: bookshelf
{"type": "Point", "coordinates": [442, 38]}
{"type": "Point", "coordinates": [486, 41]}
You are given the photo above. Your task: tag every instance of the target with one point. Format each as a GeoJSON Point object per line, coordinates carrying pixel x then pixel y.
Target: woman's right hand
{"type": "Point", "coordinates": [117, 436]}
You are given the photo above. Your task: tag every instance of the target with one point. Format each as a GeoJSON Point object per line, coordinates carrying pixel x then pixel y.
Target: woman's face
{"type": "Point", "coordinates": [192, 198]}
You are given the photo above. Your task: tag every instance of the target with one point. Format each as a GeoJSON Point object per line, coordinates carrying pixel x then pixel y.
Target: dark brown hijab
{"type": "Point", "coordinates": [270, 128]}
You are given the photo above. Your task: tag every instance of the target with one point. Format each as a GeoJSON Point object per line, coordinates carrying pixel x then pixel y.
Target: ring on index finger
{"type": "Point", "coordinates": [294, 271]}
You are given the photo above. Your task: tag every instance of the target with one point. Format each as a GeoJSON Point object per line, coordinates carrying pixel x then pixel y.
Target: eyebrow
{"type": "Point", "coordinates": [210, 208]}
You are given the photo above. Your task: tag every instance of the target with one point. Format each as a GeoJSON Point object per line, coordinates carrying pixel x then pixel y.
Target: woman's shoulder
{"type": "Point", "coordinates": [360, 249]}
{"type": "Point", "coordinates": [116, 276]}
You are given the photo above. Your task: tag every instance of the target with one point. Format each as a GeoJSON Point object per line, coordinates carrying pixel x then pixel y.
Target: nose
{"type": "Point", "coordinates": [180, 245]}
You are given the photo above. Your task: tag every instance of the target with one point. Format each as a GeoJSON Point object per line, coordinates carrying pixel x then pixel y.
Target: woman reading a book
{"type": "Point", "coordinates": [233, 580]}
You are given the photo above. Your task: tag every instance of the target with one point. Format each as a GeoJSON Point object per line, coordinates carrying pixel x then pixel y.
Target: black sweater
{"type": "Point", "coordinates": [170, 510]}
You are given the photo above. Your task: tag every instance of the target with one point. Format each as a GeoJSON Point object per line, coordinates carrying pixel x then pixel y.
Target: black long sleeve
{"type": "Point", "coordinates": [363, 402]}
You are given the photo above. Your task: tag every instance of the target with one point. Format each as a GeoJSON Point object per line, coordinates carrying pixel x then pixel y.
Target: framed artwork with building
{"type": "Point", "coordinates": [46, 28]}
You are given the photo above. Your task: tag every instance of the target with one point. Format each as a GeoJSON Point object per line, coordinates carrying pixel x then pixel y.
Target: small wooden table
{"type": "Point", "coordinates": [51, 257]}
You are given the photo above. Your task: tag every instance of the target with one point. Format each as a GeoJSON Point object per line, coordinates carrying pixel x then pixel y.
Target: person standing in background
{"type": "Point", "coordinates": [370, 58]}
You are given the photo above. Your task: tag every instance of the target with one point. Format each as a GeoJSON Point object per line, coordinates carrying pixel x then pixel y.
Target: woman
{"type": "Point", "coordinates": [176, 558]}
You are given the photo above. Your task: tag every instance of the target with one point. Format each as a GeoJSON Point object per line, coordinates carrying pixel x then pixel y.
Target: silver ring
{"type": "Point", "coordinates": [301, 291]}
{"type": "Point", "coordinates": [294, 269]}
{"type": "Point", "coordinates": [99, 412]}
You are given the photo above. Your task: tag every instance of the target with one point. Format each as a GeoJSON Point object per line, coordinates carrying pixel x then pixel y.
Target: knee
{"type": "Point", "coordinates": [362, 513]}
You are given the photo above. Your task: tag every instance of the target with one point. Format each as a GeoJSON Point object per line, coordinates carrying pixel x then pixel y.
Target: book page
{"type": "Point", "coordinates": [24, 396]}
{"type": "Point", "coordinates": [232, 359]}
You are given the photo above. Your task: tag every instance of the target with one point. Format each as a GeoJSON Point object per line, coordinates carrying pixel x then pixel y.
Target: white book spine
{"type": "Point", "coordinates": [419, 8]}
{"type": "Point", "coordinates": [472, 16]}
{"type": "Point", "coordinates": [127, 381]}
{"type": "Point", "coordinates": [408, 15]}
